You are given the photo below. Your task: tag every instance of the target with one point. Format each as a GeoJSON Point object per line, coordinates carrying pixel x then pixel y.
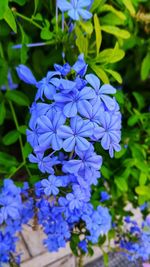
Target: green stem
{"type": "Point", "coordinates": [17, 169]}
{"type": "Point", "coordinates": [17, 127]}
{"type": "Point", "coordinates": [80, 262]}
{"type": "Point", "coordinates": [28, 19]}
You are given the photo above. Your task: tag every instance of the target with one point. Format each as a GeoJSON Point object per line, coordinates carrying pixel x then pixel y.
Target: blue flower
{"type": "Point", "coordinates": [83, 245]}
{"type": "Point", "coordinates": [80, 67]}
{"type": "Point", "coordinates": [109, 132]}
{"type": "Point", "coordinates": [75, 8]}
{"type": "Point", "coordinates": [104, 196]}
{"type": "Point", "coordinates": [47, 130]}
{"type": "Point", "coordinates": [74, 100]}
{"type": "Point", "coordinates": [45, 164]}
{"type": "Point", "coordinates": [51, 185]}
{"type": "Point", "coordinates": [101, 94]}
{"type": "Point", "coordinates": [74, 136]}
{"type": "Point", "coordinates": [87, 162]}
{"type": "Point", "coordinates": [64, 70]}
{"type": "Point", "coordinates": [25, 74]}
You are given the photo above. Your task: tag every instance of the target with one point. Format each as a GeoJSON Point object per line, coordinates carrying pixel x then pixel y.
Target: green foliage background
{"type": "Point", "coordinates": [116, 45]}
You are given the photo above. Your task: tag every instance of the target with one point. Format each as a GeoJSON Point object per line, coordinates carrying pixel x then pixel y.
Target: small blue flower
{"type": "Point", "coordinates": [75, 8]}
{"type": "Point", "coordinates": [74, 136]}
{"type": "Point", "coordinates": [104, 196]}
{"type": "Point", "coordinates": [51, 185]}
{"type": "Point", "coordinates": [80, 67]}
{"type": "Point", "coordinates": [25, 74]}
{"type": "Point", "coordinates": [83, 245]}
{"type": "Point", "coordinates": [45, 164]}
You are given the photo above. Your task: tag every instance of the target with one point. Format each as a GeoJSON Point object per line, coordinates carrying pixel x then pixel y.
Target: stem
{"type": "Point", "coordinates": [17, 169]}
{"type": "Point", "coordinates": [80, 262]}
{"type": "Point", "coordinates": [28, 19]}
{"type": "Point", "coordinates": [17, 127]}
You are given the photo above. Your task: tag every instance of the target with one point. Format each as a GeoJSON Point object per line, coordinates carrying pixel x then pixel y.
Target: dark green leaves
{"type": "Point", "coordinates": [18, 98]}
{"type": "Point", "coordinates": [3, 7]}
{"type": "Point", "coordinates": [145, 67]}
{"type": "Point", "coordinates": [2, 112]}
{"type": "Point", "coordinates": [10, 19]}
{"type": "Point", "coordinates": [11, 137]}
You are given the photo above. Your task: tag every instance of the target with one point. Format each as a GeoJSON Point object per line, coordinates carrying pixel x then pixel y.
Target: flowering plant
{"type": "Point", "coordinates": [64, 164]}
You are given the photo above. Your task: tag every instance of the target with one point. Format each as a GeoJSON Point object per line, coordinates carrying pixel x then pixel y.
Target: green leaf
{"type": "Point", "coordinates": [18, 97]}
{"type": "Point", "coordinates": [46, 34]}
{"type": "Point", "coordinates": [22, 129]}
{"type": "Point", "coordinates": [27, 149]}
{"type": "Point", "coordinates": [110, 55]}
{"type": "Point", "coordinates": [111, 19]}
{"type": "Point", "coordinates": [7, 160]}
{"type": "Point", "coordinates": [143, 190]}
{"type": "Point", "coordinates": [128, 4]}
{"type": "Point", "coordinates": [81, 41]}
{"type": "Point", "coordinates": [133, 120]}
{"type": "Point", "coordinates": [121, 183]}
{"type": "Point", "coordinates": [24, 48]}
{"type": "Point", "coordinates": [10, 19]}
{"type": "Point", "coordinates": [2, 112]}
{"type": "Point", "coordinates": [115, 75]}
{"type": "Point", "coordinates": [98, 33]}
{"type": "Point", "coordinates": [11, 137]}
{"type": "Point", "coordinates": [120, 153]}
{"type": "Point", "coordinates": [145, 67]}
{"type": "Point", "coordinates": [143, 178]}
{"type": "Point", "coordinates": [87, 26]}
{"type": "Point", "coordinates": [96, 4]}
{"type": "Point", "coordinates": [116, 31]}
{"type": "Point", "coordinates": [106, 172]}
{"type": "Point", "coordinates": [140, 100]}
{"type": "Point", "coordinates": [110, 8]}
{"type": "Point", "coordinates": [36, 3]}
{"type": "Point", "coordinates": [100, 73]}
{"type": "Point", "coordinates": [19, 2]}
{"type": "Point", "coordinates": [3, 7]}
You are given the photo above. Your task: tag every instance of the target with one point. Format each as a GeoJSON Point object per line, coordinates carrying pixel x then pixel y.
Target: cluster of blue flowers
{"type": "Point", "coordinates": [14, 212]}
{"type": "Point", "coordinates": [70, 113]}
{"type": "Point", "coordinates": [138, 247]}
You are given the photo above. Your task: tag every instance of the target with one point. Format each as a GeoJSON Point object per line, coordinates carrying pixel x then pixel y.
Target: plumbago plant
{"type": "Point", "coordinates": [61, 131]}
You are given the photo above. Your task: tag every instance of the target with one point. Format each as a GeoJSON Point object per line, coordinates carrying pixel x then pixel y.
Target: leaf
{"type": "Point", "coordinates": [87, 26]}
{"type": "Point", "coordinates": [110, 55]}
{"type": "Point", "coordinates": [2, 112]}
{"type": "Point", "coordinates": [128, 4]}
{"type": "Point", "coordinates": [24, 48]}
{"type": "Point", "coordinates": [19, 2]}
{"type": "Point", "coordinates": [100, 73]}
{"type": "Point", "coordinates": [143, 178]}
{"type": "Point", "coordinates": [145, 67]}
{"type": "Point", "coordinates": [81, 41]}
{"type": "Point", "coordinates": [98, 33]}
{"type": "Point", "coordinates": [115, 75]}
{"type": "Point", "coordinates": [143, 190]}
{"type": "Point", "coordinates": [27, 149]}
{"type": "Point", "coordinates": [11, 137]}
{"type": "Point", "coordinates": [140, 100]}
{"type": "Point", "coordinates": [36, 3]}
{"type": "Point", "coordinates": [7, 160]}
{"type": "Point", "coordinates": [22, 129]}
{"type": "Point", "coordinates": [96, 4]}
{"type": "Point", "coordinates": [46, 34]}
{"type": "Point", "coordinates": [3, 7]}
{"type": "Point", "coordinates": [106, 172]}
{"type": "Point", "coordinates": [110, 8]}
{"type": "Point", "coordinates": [18, 97]}
{"type": "Point", "coordinates": [10, 19]}
{"type": "Point", "coordinates": [121, 184]}
{"type": "Point", "coordinates": [116, 31]}
{"type": "Point", "coordinates": [111, 19]}
{"type": "Point", "coordinates": [133, 120]}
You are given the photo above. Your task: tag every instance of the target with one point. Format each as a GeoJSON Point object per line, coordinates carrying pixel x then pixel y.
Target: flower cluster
{"type": "Point", "coordinates": [138, 247]}
{"type": "Point", "coordinates": [13, 213]}
{"type": "Point", "coordinates": [70, 113]}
